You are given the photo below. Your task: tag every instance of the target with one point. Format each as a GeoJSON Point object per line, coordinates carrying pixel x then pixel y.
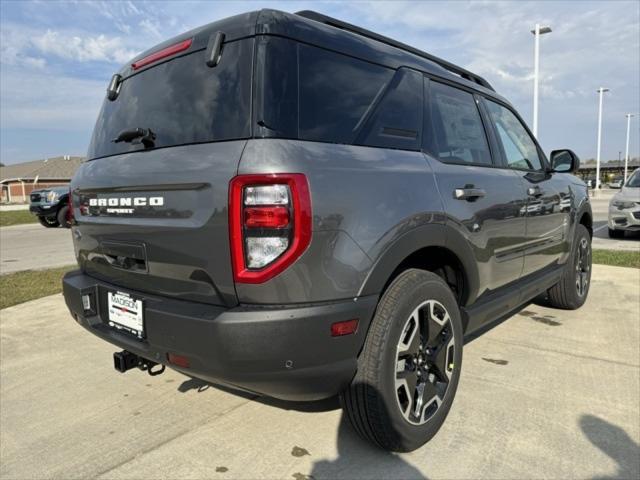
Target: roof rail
{"type": "Point", "coordinates": [466, 74]}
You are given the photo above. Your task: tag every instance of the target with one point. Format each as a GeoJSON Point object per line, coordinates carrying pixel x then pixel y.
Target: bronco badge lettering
{"type": "Point", "coordinates": [126, 202]}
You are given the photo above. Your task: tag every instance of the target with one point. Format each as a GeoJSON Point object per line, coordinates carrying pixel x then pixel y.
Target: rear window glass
{"type": "Point", "coordinates": [458, 134]}
{"type": "Point", "coordinates": [182, 101]}
{"type": "Point", "coordinates": [335, 94]}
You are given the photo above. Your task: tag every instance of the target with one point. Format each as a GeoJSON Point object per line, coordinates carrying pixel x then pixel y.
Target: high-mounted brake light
{"type": "Point", "coordinates": [164, 53]}
{"type": "Point", "coordinates": [269, 224]}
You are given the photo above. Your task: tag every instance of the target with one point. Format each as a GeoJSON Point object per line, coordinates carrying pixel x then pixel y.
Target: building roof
{"type": "Point", "coordinates": [56, 168]}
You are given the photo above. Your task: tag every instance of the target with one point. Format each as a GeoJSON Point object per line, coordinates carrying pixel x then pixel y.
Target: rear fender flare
{"type": "Point", "coordinates": [434, 235]}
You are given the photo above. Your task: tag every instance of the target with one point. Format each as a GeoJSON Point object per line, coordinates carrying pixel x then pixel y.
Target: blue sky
{"type": "Point", "coordinates": [56, 58]}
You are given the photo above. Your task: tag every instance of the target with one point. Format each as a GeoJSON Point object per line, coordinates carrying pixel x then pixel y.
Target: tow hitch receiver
{"type": "Point", "coordinates": [124, 360]}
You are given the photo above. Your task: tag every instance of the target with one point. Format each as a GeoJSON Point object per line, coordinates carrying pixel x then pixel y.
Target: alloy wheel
{"type": "Point", "coordinates": [583, 267]}
{"type": "Point", "coordinates": [424, 362]}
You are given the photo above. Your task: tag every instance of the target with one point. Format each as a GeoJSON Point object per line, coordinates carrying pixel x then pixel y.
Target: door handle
{"type": "Point", "coordinates": [535, 191]}
{"type": "Point", "coordinates": [468, 193]}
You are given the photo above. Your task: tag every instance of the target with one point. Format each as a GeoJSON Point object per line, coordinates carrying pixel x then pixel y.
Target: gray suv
{"type": "Point", "coordinates": [294, 206]}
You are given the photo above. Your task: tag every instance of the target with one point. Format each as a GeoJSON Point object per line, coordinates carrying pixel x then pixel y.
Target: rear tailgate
{"type": "Point", "coordinates": [156, 221]}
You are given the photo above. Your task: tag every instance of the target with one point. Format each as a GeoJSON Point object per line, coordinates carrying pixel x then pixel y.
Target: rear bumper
{"type": "Point", "coordinates": [286, 353]}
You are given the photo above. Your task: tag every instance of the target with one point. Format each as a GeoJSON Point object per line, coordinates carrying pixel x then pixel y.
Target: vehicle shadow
{"type": "Point", "coordinates": [616, 443]}
{"type": "Point", "coordinates": [357, 458]}
{"type": "Point", "coordinates": [541, 300]}
{"type": "Point", "coordinates": [319, 406]}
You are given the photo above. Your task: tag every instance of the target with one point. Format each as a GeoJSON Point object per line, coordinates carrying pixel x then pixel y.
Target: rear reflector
{"type": "Point", "coordinates": [266, 217]}
{"type": "Point", "coordinates": [178, 360]}
{"type": "Point", "coordinates": [164, 53]}
{"type": "Point", "coordinates": [346, 327]}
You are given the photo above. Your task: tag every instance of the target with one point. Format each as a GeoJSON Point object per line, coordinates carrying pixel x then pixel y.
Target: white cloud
{"type": "Point", "coordinates": [83, 49]}
{"type": "Point", "coordinates": [151, 27]}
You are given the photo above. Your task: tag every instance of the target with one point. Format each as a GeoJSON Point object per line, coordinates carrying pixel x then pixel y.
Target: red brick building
{"type": "Point", "coordinates": [19, 180]}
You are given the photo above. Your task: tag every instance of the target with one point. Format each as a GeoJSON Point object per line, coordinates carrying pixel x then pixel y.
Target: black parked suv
{"type": "Point", "coordinates": [51, 206]}
{"type": "Point", "coordinates": [294, 206]}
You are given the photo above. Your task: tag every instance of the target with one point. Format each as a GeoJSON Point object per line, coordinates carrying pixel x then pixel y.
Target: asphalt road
{"type": "Point", "coordinates": [34, 247]}
{"type": "Point", "coordinates": [546, 394]}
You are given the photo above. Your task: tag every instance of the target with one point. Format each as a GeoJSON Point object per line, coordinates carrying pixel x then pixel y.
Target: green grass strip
{"type": "Point", "coordinates": [617, 258]}
{"type": "Point", "coordinates": [16, 217]}
{"type": "Point", "coordinates": [20, 287]}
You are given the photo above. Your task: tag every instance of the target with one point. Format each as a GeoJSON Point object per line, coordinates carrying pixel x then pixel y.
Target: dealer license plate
{"type": "Point", "coordinates": [125, 313]}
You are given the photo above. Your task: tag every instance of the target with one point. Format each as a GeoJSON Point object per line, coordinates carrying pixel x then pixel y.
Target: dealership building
{"type": "Point", "coordinates": [19, 180]}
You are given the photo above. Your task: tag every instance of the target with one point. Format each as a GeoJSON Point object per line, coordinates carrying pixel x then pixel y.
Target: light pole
{"type": "Point", "coordinates": [626, 151]}
{"type": "Point", "coordinates": [539, 30]}
{"type": "Point", "coordinates": [601, 91]}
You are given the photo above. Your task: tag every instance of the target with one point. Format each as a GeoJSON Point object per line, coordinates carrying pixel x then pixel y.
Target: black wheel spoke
{"type": "Point", "coordinates": [439, 357]}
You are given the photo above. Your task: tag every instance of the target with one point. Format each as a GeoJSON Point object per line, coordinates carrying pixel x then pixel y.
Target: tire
{"type": "Point", "coordinates": [572, 290]}
{"type": "Point", "coordinates": [49, 222]}
{"type": "Point", "coordinates": [377, 402]}
{"type": "Point", "coordinates": [616, 233]}
{"type": "Point", "coordinates": [62, 217]}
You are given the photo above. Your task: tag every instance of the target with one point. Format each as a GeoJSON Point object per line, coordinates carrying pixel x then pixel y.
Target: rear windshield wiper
{"type": "Point", "coordinates": [136, 136]}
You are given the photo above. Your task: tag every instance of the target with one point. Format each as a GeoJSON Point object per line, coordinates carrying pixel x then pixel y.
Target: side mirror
{"type": "Point", "coordinates": [564, 161]}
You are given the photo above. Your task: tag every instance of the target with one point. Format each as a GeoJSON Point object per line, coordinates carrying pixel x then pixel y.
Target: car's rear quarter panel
{"type": "Point", "coordinates": [363, 199]}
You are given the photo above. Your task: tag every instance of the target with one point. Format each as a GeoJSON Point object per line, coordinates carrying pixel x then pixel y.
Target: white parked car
{"type": "Point", "coordinates": [616, 183]}
{"type": "Point", "coordinates": [624, 208]}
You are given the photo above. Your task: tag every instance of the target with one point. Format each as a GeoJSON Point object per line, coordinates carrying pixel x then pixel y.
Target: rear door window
{"type": "Point", "coordinates": [336, 92]}
{"type": "Point", "coordinates": [182, 101]}
{"type": "Point", "coordinates": [457, 131]}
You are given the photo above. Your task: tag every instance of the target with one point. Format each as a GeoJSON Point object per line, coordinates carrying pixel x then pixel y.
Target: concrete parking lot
{"type": "Point", "coordinates": [545, 394]}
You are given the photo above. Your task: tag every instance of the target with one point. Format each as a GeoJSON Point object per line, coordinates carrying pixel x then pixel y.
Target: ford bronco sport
{"type": "Point", "coordinates": [294, 206]}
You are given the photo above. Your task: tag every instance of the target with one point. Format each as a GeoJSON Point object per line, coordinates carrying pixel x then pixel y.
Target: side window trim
{"type": "Point", "coordinates": [429, 135]}
{"type": "Point", "coordinates": [543, 158]}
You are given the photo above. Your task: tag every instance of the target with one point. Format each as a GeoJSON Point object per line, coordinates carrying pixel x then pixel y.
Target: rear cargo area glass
{"type": "Point", "coordinates": [182, 101]}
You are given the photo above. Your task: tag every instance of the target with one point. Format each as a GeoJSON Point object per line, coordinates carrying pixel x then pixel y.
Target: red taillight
{"type": "Point", "coordinates": [266, 217]}
{"type": "Point", "coordinates": [164, 53]}
{"type": "Point", "coordinates": [346, 327]}
{"type": "Point", "coordinates": [269, 224]}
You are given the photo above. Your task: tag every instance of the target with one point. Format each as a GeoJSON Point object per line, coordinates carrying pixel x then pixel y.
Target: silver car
{"type": "Point", "coordinates": [616, 182]}
{"type": "Point", "coordinates": [624, 208]}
